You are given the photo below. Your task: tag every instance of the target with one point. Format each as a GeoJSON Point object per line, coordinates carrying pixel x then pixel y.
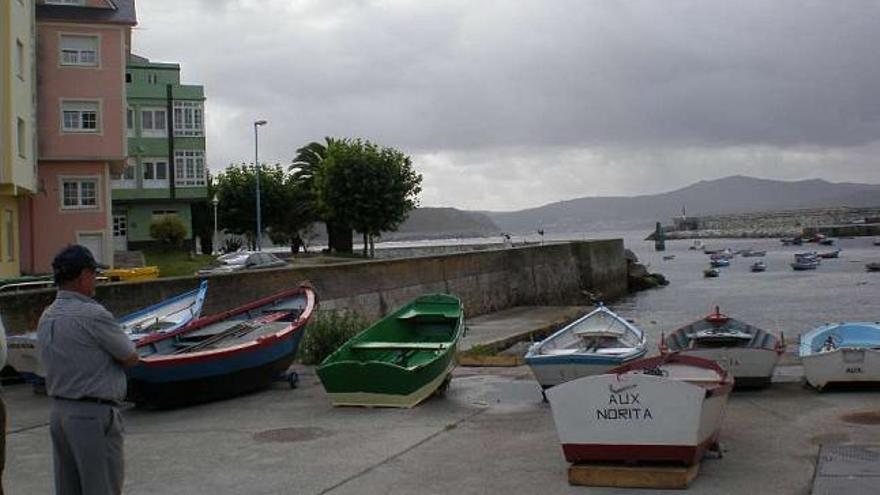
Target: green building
{"type": "Point", "coordinates": [166, 172]}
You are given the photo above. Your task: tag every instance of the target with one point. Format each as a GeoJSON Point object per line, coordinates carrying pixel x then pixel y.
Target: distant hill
{"type": "Point", "coordinates": [426, 223]}
{"type": "Point", "coordinates": [734, 194]}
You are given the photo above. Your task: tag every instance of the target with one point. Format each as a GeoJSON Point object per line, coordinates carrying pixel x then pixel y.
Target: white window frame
{"type": "Point", "coordinates": [150, 165]}
{"type": "Point", "coordinates": [154, 117]}
{"type": "Point", "coordinates": [190, 169]}
{"type": "Point", "coordinates": [128, 178]}
{"type": "Point", "coordinates": [81, 108]}
{"type": "Point", "coordinates": [189, 119]}
{"type": "Point", "coordinates": [19, 59]}
{"type": "Point", "coordinates": [79, 181]}
{"type": "Point", "coordinates": [78, 56]}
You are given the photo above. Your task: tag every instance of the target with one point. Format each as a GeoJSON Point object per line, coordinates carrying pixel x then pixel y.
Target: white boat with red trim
{"type": "Point", "coordinates": [664, 408]}
{"type": "Point", "coordinates": [746, 351]}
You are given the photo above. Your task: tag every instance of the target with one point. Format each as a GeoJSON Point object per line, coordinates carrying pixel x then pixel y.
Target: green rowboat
{"type": "Point", "coordinates": [400, 360]}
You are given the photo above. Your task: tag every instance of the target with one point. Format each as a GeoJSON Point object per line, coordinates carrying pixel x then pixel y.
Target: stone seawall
{"type": "Point", "coordinates": [486, 281]}
{"type": "Point", "coordinates": [786, 223]}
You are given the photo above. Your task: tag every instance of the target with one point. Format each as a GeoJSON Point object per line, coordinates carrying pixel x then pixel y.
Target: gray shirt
{"type": "Point", "coordinates": [82, 345]}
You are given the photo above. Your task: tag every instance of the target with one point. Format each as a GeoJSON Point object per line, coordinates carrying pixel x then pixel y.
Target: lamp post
{"type": "Point", "coordinates": [214, 247]}
{"type": "Point", "coordinates": [257, 125]}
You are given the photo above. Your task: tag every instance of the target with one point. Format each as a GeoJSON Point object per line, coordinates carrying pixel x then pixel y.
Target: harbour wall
{"type": "Point", "coordinates": [486, 281]}
{"type": "Point", "coordinates": [784, 223]}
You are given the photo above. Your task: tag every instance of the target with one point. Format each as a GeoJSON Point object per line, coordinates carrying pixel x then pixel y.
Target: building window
{"type": "Point", "coordinates": [128, 77]}
{"type": "Point", "coordinates": [9, 227]}
{"type": "Point", "coordinates": [152, 79]}
{"type": "Point", "coordinates": [153, 122]}
{"type": "Point", "coordinates": [79, 50]}
{"type": "Point", "coordinates": [79, 116]}
{"type": "Point", "coordinates": [129, 121]}
{"type": "Point", "coordinates": [162, 214]}
{"type": "Point", "coordinates": [19, 59]}
{"type": "Point", "coordinates": [189, 168]}
{"type": "Point", "coordinates": [79, 194]}
{"type": "Point", "coordinates": [128, 178]}
{"type": "Point", "coordinates": [21, 130]}
{"type": "Point", "coordinates": [155, 173]}
{"type": "Point", "coordinates": [188, 118]}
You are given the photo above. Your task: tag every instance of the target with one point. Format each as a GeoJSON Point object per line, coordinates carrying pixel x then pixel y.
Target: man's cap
{"type": "Point", "coordinates": [72, 260]}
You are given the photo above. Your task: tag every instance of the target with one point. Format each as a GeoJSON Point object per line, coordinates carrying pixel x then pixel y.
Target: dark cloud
{"type": "Point", "coordinates": [500, 78]}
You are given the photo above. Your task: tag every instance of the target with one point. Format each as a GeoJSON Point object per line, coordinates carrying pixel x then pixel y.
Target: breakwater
{"type": "Point", "coordinates": [784, 223]}
{"type": "Point", "coordinates": [486, 280]}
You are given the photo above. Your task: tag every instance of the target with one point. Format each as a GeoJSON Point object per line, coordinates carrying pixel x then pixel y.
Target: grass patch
{"type": "Point", "coordinates": [175, 263]}
{"type": "Point", "coordinates": [326, 332]}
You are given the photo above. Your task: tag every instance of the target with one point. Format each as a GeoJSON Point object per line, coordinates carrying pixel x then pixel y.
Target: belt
{"type": "Point", "coordinates": [93, 400]}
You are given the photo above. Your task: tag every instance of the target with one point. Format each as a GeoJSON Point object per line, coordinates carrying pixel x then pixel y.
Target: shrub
{"type": "Point", "coordinates": [169, 231]}
{"type": "Point", "coordinates": [231, 245]}
{"type": "Point", "coordinates": [326, 332]}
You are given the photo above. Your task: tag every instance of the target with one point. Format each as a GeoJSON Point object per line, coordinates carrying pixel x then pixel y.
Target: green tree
{"type": "Point", "coordinates": [236, 190]}
{"type": "Point", "coordinates": [369, 188]}
{"type": "Point", "coordinates": [169, 231]}
{"type": "Point", "coordinates": [306, 170]}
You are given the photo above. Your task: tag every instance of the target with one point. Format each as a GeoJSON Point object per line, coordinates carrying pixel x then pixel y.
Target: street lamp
{"type": "Point", "coordinates": [214, 247]}
{"type": "Point", "coordinates": [257, 125]}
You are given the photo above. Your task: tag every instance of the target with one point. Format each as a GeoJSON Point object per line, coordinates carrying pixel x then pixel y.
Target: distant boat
{"type": "Point", "coordinates": [590, 345]}
{"type": "Point", "coordinates": [873, 267]}
{"type": "Point", "coordinates": [719, 263]}
{"type": "Point", "coordinates": [877, 242]}
{"type": "Point", "coordinates": [165, 317]}
{"type": "Point", "coordinates": [841, 353]}
{"type": "Point", "coordinates": [759, 266]}
{"type": "Point", "coordinates": [222, 355]}
{"type": "Point", "coordinates": [664, 408]}
{"type": "Point", "coordinates": [711, 272]}
{"type": "Point", "coordinates": [750, 253]}
{"type": "Point", "coordinates": [800, 265]}
{"type": "Point", "coordinates": [829, 254]}
{"type": "Point", "coordinates": [669, 257]}
{"type": "Point", "coordinates": [746, 351]}
{"type": "Point", "coordinates": [697, 245]}
{"type": "Point", "coordinates": [400, 360]}
{"type": "Point", "coordinates": [827, 241]}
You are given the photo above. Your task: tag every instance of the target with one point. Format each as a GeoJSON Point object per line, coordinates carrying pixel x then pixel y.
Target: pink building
{"type": "Point", "coordinates": [82, 48]}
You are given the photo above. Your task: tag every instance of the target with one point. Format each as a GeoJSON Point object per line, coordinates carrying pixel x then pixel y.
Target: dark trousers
{"type": "Point", "coordinates": [86, 448]}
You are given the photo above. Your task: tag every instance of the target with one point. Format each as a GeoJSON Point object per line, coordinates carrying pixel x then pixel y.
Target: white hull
{"type": "Point", "coordinates": [842, 365]}
{"type": "Point", "coordinates": [23, 355]}
{"type": "Point", "coordinates": [748, 365]}
{"type": "Point", "coordinates": [549, 375]}
{"type": "Point", "coordinates": [636, 417]}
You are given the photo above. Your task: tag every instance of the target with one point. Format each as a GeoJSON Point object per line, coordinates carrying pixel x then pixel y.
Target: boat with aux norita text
{"type": "Point", "coordinates": [841, 353]}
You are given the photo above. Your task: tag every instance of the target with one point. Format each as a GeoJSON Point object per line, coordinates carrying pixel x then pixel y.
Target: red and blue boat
{"type": "Point", "coordinates": [223, 355]}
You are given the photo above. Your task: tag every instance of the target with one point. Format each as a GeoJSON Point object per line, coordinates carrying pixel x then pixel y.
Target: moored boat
{"type": "Point", "coordinates": [719, 263]}
{"type": "Point", "coordinates": [746, 351]}
{"type": "Point", "coordinates": [829, 254]}
{"type": "Point", "coordinates": [664, 408]}
{"type": "Point", "coordinates": [841, 353]}
{"type": "Point", "coordinates": [400, 360]}
{"type": "Point", "coordinates": [592, 344]}
{"type": "Point", "coordinates": [751, 253]}
{"type": "Point", "coordinates": [221, 355]}
{"type": "Point", "coordinates": [873, 267]}
{"type": "Point", "coordinates": [167, 316]}
{"type": "Point", "coordinates": [758, 266]}
{"type": "Point", "coordinates": [711, 272]}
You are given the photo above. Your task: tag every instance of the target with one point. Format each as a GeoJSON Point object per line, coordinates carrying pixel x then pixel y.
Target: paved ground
{"type": "Point", "coordinates": [490, 433]}
{"type": "Point", "coordinates": [518, 323]}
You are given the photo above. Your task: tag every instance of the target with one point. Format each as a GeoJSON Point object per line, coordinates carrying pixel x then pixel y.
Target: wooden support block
{"type": "Point", "coordinates": [498, 360]}
{"type": "Point", "coordinates": [633, 476]}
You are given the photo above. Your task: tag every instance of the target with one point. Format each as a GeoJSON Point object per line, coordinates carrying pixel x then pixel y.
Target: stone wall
{"type": "Point", "coordinates": [487, 281]}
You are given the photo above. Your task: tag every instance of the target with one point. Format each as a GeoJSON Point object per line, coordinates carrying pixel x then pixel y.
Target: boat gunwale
{"type": "Point", "coordinates": [198, 293]}
{"type": "Point", "coordinates": [535, 350]}
{"type": "Point", "coordinates": [167, 360]}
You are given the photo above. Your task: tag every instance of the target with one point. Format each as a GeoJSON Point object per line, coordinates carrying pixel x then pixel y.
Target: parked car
{"type": "Point", "coordinates": [242, 260]}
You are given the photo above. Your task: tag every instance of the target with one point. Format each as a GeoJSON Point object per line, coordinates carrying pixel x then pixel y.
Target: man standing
{"type": "Point", "coordinates": [84, 351]}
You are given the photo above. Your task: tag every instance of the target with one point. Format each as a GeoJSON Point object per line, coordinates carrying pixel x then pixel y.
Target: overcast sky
{"type": "Point", "coordinates": [507, 104]}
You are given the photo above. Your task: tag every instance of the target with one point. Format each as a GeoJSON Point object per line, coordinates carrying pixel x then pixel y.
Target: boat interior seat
{"type": "Point", "coordinates": [416, 314]}
{"type": "Point", "coordinates": [560, 352]}
{"type": "Point", "coordinates": [612, 351]}
{"type": "Point", "coordinates": [419, 346]}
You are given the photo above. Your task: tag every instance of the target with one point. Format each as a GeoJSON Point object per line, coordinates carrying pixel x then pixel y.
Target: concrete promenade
{"type": "Point", "coordinates": [489, 434]}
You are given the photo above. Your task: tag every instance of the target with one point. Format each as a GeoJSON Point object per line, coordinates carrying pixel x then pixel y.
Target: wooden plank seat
{"type": "Point", "coordinates": [416, 346]}
{"type": "Point", "coordinates": [420, 314]}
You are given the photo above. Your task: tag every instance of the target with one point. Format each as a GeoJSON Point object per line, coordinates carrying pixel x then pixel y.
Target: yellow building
{"type": "Point", "coordinates": [18, 174]}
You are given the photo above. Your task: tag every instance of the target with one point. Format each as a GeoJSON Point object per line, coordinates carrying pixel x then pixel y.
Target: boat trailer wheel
{"type": "Point", "coordinates": [293, 379]}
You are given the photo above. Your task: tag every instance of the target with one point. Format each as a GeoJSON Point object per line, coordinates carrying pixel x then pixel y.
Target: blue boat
{"type": "Point", "coordinates": [719, 263]}
{"type": "Point", "coordinates": [222, 355]}
{"type": "Point", "coordinates": [165, 317]}
{"type": "Point", "coordinates": [846, 352]}
{"type": "Point", "coordinates": [591, 345]}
